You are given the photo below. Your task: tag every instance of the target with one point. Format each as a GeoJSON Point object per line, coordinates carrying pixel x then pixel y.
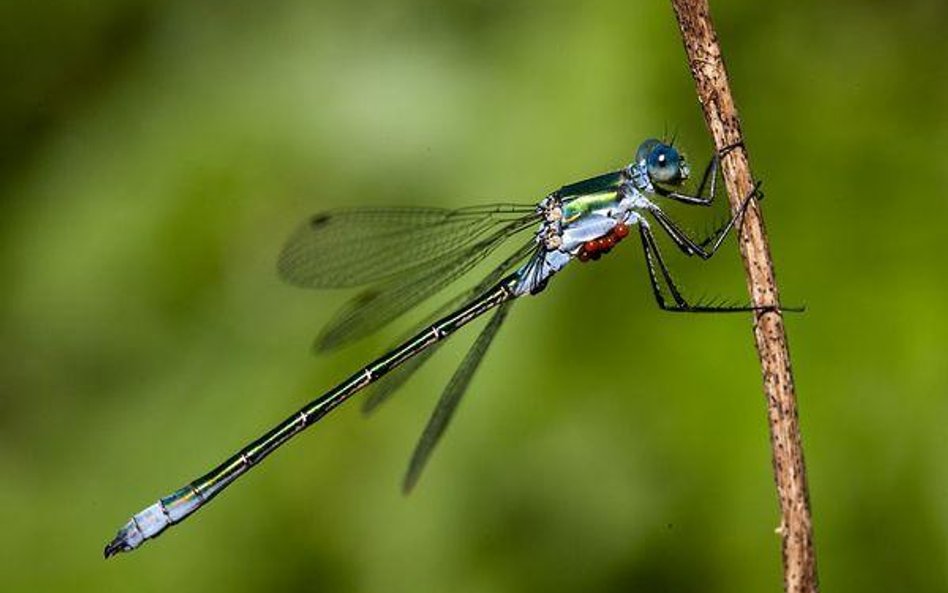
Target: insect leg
{"type": "Point", "coordinates": [653, 259]}
{"type": "Point", "coordinates": [691, 246]}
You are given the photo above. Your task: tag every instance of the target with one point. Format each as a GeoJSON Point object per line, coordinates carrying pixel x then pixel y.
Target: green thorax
{"type": "Point", "coordinates": [582, 205]}
{"type": "Point", "coordinates": [589, 195]}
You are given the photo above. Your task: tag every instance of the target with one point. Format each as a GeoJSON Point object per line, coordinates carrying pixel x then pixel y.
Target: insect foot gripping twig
{"type": "Point", "coordinates": [714, 94]}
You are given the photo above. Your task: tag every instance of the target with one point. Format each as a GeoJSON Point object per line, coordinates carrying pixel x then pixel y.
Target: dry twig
{"type": "Point", "coordinates": [714, 94]}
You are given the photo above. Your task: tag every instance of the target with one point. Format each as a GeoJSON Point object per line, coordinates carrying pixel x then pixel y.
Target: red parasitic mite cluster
{"type": "Point", "coordinates": [597, 247]}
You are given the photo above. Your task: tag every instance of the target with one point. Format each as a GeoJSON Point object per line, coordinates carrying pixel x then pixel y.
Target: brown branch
{"type": "Point", "coordinates": [714, 94]}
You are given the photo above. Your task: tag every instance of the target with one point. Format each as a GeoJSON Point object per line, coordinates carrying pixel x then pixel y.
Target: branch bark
{"type": "Point", "coordinates": [714, 94]}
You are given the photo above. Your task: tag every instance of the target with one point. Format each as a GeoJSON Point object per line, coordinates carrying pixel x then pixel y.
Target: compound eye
{"type": "Point", "coordinates": [665, 165]}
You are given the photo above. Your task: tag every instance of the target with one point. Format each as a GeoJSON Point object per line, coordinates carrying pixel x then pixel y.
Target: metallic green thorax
{"type": "Point", "coordinates": [587, 196]}
{"type": "Point", "coordinates": [583, 205]}
{"type": "Point", "coordinates": [595, 185]}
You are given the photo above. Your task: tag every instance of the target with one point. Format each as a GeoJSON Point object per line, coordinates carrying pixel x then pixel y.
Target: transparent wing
{"type": "Point", "coordinates": [381, 304]}
{"type": "Point", "coordinates": [451, 397]}
{"type": "Point", "coordinates": [380, 391]}
{"type": "Point", "coordinates": [353, 247]}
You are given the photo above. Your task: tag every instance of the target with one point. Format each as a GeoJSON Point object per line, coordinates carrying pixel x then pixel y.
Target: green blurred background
{"type": "Point", "coordinates": [155, 155]}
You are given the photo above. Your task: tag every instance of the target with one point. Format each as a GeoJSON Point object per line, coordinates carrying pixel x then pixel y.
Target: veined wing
{"type": "Point", "coordinates": [451, 397]}
{"type": "Point", "coordinates": [383, 389]}
{"type": "Point", "coordinates": [381, 304]}
{"type": "Point", "coordinates": [352, 247]}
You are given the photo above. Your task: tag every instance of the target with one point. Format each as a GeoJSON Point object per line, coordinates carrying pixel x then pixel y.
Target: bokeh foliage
{"type": "Point", "coordinates": [154, 155]}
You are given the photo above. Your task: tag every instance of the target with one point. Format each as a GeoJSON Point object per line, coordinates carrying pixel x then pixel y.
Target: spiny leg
{"type": "Point", "coordinates": [691, 246]}
{"type": "Point", "coordinates": [647, 242]}
{"type": "Point", "coordinates": [653, 257]}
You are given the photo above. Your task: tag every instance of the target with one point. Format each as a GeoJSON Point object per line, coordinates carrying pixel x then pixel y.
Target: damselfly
{"type": "Point", "coordinates": [407, 255]}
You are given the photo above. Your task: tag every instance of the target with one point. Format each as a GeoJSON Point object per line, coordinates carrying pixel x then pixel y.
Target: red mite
{"type": "Point", "coordinates": [597, 247]}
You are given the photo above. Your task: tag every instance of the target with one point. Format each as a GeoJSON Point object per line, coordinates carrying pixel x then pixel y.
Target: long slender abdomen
{"type": "Point", "coordinates": [172, 509]}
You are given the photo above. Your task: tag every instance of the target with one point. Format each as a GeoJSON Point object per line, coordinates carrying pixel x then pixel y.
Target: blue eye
{"type": "Point", "coordinates": [645, 149]}
{"type": "Point", "coordinates": [665, 165]}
